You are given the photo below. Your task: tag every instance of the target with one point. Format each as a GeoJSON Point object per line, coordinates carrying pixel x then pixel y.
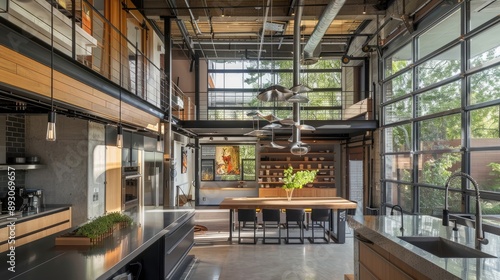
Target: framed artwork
{"type": "Point", "coordinates": [248, 167]}
{"type": "Point", "coordinates": [184, 161]}
{"type": "Point", "coordinates": [207, 169]}
{"type": "Point", "coordinates": [227, 161]}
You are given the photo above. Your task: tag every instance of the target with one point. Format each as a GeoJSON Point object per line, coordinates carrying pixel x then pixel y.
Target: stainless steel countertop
{"type": "Point", "coordinates": [41, 259]}
{"type": "Point", "coordinates": [385, 230]}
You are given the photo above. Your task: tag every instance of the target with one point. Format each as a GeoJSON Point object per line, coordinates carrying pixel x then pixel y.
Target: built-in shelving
{"type": "Point", "coordinates": [273, 163]}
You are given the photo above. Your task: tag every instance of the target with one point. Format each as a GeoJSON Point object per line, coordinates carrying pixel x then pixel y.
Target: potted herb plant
{"type": "Point", "coordinates": [96, 230]}
{"type": "Point", "coordinates": [296, 180]}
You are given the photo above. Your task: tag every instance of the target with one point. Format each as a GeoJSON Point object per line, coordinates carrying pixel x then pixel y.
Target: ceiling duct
{"type": "Point", "coordinates": [324, 23]}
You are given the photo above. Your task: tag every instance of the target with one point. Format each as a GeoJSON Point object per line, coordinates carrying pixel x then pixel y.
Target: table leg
{"type": "Point", "coordinates": [230, 225]}
{"type": "Point", "coordinates": [337, 228]}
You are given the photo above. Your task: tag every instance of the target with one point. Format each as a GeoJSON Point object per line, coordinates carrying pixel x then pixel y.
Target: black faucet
{"type": "Point", "coordinates": [400, 210]}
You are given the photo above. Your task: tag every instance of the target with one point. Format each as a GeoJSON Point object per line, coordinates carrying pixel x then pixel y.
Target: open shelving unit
{"type": "Point", "coordinates": [273, 163]}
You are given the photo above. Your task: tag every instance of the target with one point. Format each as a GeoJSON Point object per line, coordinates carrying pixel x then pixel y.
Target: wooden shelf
{"type": "Point", "coordinates": [27, 166]}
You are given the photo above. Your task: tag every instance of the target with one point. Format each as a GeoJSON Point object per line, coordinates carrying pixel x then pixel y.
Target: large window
{"type": "Point", "coordinates": [450, 120]}
{"type": "Point", "coordinates": [236, 84]}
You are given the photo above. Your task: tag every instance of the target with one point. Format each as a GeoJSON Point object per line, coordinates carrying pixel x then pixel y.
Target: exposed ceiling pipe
{"type": "Point", "coordinates": [193, 20]}
{"type": "Point", "coordinates": [263, 29]}
{"type": "Point", "coordinates": [324, 23]}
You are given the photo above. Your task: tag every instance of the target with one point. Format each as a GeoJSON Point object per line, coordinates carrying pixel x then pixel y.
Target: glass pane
{"type": "Point", "coordinates": [398, 167]}
{"type": "Point", "coordinates": [398, 111]}
{"type": "Point", "coordinates": [439, 35]}
{"type": "Point", "coordinates": [399, 194]}
{"type": "Point", "coordinates": [485, 46]}
{"type": "Point", "coordinates": [400, 85]}
{"type": "Point", "coordinates": [440, 133]}
{"type": "Point", "coordinates": [483, 10]}
{"type": "Point", "coordinates": [434, 169]}
{"type": "Point", "coordinates": [488, 207]}
{"type": "Point", "coordinates": [485, 169]}
{"type": "Point", "coordinates": [398, 138]}
{"type": "Point", "coordinates": [483, 88]}
{"type": "Point", "coordinates": [233, 80]}
{"type": "Point", "coordinates": [397, 61]}
{"type": "Point", "coordinates": [432, 201]}
{"type": "Point", "coordinates": [440, 99]}
{"type": "Point", "coordinates": [485, 127]}
{"type": "Point", "coordinates": [440, 67]}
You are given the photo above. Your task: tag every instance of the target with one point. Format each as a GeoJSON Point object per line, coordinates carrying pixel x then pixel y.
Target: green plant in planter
{"type": "Point", "coordinates": [101, 225]}
{"type": "Point", "coordinates": [297, 180]}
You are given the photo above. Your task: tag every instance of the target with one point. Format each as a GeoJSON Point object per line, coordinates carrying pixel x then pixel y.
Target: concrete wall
{"type": "Point", "coordinates": [64, 179]}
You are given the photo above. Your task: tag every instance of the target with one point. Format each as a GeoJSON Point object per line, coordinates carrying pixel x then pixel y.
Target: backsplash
{"type": "Point", "coordinates": [14, 134]}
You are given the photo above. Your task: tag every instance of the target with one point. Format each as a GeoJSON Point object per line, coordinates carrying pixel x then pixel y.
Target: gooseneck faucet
{"type": "Point", "coordinates": [400, 210]}
{"type": "Point", "coordinates": [479, 220]}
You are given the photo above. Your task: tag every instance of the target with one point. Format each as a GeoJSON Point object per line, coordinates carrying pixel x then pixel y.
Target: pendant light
{"type": "Point", "coordinates": [159, 143]}
{"type": "Point", "coordinates": [51, 125]}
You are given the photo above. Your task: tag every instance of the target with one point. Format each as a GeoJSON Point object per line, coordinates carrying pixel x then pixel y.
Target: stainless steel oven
{"type": "Point", "coordinates": [131, 187]}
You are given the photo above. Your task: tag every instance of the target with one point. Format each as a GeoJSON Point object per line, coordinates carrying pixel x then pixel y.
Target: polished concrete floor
{"type": "Point", "coordinates": [217, 259]}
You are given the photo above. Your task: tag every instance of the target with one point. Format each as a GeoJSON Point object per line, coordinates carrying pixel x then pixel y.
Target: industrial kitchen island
{"type": "Point", "coordinates": [157, 249]}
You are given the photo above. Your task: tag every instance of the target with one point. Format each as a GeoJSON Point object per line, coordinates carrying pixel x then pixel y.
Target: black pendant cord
{"type": "Point", "coordinates": [52, 58]}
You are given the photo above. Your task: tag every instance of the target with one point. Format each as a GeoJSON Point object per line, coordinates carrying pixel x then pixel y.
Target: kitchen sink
{"type": "Point", "coordinates": [444, 248]}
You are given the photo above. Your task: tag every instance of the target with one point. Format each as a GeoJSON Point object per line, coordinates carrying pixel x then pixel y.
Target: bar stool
{"type": "Point", "coordinates": [271, 215]}
{"type": "Point", "coordinates": [247, 215]}
{"type": "Point", "coordinates": [295, 215]}
{"type": "Point", "coordinates": [321, 216]}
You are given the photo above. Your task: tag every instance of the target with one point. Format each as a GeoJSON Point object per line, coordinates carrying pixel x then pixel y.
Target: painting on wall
{"type": "Point", "coordinates": [184, 161]}
{"type": "Point", "coordinates": [227, 161]}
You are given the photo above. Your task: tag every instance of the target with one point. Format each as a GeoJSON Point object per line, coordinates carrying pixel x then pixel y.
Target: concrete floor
{"type": "Point", "coordinates": [217, 259]}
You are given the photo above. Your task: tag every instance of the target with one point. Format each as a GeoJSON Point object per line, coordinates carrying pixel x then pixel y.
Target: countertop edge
{"type": "Point", "coordinates": [408, 256]}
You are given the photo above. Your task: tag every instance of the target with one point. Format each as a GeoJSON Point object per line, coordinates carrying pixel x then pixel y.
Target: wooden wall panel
{"type": "Point", "coordinates": [24, 73]}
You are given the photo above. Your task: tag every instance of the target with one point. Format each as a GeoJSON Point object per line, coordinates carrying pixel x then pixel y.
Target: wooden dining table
{"type": "Point", "coordinates": [338, 205]}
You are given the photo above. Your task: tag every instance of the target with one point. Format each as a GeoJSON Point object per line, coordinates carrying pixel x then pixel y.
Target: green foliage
{"type": "Point", "coordinates": [103, 224]}
{"type": "Point", "coordinates": [298, 179]}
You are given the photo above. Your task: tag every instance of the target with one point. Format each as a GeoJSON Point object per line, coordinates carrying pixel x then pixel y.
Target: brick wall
{"type": "Point", "coordinates": [15, 147]}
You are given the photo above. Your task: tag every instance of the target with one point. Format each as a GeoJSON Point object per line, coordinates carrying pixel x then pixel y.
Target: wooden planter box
{"type": "Point", "coordinates": [70, 239]}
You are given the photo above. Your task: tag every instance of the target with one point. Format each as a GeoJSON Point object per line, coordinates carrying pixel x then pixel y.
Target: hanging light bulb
{"type": "Point", "coordinates": [51, 124]}
{"type": "Point", "coordinates": [119, 137]}
{"type": "Point", "coordinates": [51, 127]}
{"type": "Point", "coordinates": [159, 143]}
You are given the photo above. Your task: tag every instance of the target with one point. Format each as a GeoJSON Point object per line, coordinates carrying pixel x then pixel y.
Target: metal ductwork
{"type": "Point", "coordinates": [324, 23]}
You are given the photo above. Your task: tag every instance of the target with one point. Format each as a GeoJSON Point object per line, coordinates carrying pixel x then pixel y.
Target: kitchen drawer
{"type": "Point", "coordinates": [177, 246]}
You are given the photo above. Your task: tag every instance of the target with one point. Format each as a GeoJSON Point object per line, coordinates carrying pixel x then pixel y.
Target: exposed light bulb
{"type": "Point", "coordinates": [119, 137]}
{"type": "Point", "coordinates": [51, 127]}
{"type": "Point", "coordinates": [159, 143]}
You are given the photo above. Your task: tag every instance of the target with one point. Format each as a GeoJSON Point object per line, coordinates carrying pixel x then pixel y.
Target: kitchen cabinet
{"type": "Point", "coordinates": [34, 227]}
{"type": "Point", "coordinates": [375, 265]}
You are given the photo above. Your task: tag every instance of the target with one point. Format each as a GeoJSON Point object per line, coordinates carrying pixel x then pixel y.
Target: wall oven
{"type": "Point", "coordinates": [131, 187]}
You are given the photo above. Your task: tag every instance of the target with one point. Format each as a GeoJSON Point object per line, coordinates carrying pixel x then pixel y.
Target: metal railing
{"type": "Point", "coordinates": [82, 33]}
